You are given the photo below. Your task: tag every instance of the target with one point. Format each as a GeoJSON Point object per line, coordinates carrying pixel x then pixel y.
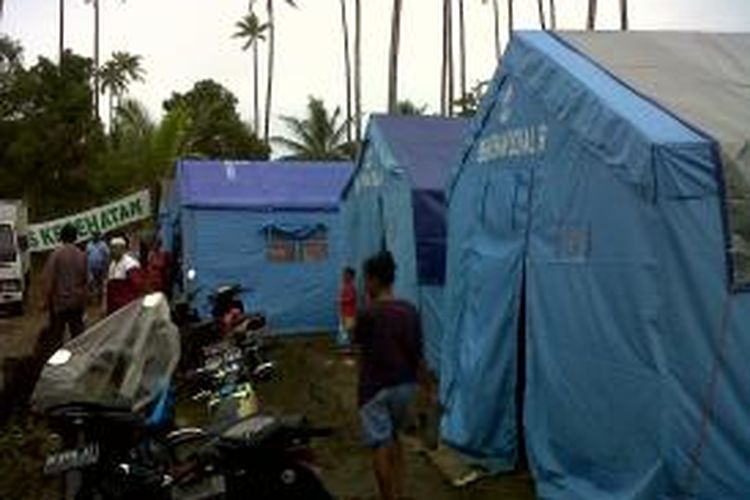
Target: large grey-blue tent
{"type": "Point", "coordinates": [272, 227]}
{"type": "Point", "coordinates": [396, 201]}
{"type": "Point", "coordinates": [597, 267]}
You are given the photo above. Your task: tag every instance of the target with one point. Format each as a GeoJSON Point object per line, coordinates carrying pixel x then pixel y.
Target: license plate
{"type": "Point", "coordinates": [65, 460]}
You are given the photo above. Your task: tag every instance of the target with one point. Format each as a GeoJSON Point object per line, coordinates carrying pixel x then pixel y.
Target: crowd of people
{"type": "Point", "coordinates": [103, 274]}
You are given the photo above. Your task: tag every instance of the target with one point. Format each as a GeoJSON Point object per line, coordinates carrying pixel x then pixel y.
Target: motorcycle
{"type": "Point", "coordinates": [108, 394]}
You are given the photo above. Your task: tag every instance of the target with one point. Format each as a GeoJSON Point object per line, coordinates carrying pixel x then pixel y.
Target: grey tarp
{"type": "Point", "coordinates": [702, 78]}
{"type": "Point", "coordinates": [126, 360]}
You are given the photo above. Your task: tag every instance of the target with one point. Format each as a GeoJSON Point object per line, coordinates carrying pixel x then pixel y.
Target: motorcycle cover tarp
{"type": "Point", "coordinates": [124, 361]}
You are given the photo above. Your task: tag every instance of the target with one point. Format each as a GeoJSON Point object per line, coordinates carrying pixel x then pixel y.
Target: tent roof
{"type": "Point", "coordinates": [702, 78]}
{"type": "Point", "coordinates": [427, 147]}
{"type": "Point", "coordinates": [262, 185]}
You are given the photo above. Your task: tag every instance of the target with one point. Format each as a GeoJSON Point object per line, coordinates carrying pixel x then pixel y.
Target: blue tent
{"type": "Point", "coordinates": [597, 267]}
{"type": "Point", "coordinates": [273, 227]}
{"type": "Point", "coordinates": [396, 201]}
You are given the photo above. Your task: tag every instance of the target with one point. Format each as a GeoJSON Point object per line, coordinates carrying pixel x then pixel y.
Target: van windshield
{"type": "Point", "coordinates": [7, 244]}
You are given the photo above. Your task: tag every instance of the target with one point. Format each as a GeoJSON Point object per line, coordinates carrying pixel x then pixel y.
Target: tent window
{"type": "Point", "coordinates": [315, 248]}
{"type": "Point", "coordinates": [739, 216]}
{"type": "Point", "coordinates": [280, 248]}
{"type": "Point", "coordinates": [286, 247]}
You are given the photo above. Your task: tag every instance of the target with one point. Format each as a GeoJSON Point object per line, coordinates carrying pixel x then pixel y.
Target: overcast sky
{"type": "Point", "coordinates": [183, 41]}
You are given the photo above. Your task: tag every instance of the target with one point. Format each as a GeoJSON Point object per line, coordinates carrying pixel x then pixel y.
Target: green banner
{"type": "Point", "coordinates": [45, 236]}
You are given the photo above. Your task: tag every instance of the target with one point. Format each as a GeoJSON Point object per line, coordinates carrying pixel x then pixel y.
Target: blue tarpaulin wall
{"type": "Point", "coordinates": [396, 201]}
{"type": "Point", "coordinates": [607, 210]}
{"type": "Point", "coordinates": [227, 211]}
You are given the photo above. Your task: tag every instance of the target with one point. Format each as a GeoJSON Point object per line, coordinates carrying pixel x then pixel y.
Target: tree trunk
{"type": "Point", "coordinates": [552, 15]}
{"type": "Point", "coordinates": [496, 14]}
{"type": "Point", "coordinates": [462, 54]}
{"type": "Point", "coordinates": [269, 76]}
{"type": "Point", "coordinates": [510, 19]}
{"type": "Point", "coordinates": [62, 31]}
{"type": "Point", "coordinates": [451, 95]}
{"type": "Point", "coordinates": [624, 15]}
{"type": "Point", "coordinates": [542, 20]}
{"type": "Point", "coordinates": [347, 72]}
{"type": "Point", "coordinates": [444, 62]}
{"type": "Point", "coordinates": [393, 59]}
{"type": "Point", "coordinates": [358, 68]}
{"type": "Point", "coordinates": [111, 111]}
{"type": "Point", "coordinates": [256, 105]}
{"type": "Point", "coordinates": [96, 58]}
{"type": "Point", "coordinates": [591, 18]}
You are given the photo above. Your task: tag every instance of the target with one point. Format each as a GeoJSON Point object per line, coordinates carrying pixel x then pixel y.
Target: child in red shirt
{"type": "Point", "coordinates": [347, 308]}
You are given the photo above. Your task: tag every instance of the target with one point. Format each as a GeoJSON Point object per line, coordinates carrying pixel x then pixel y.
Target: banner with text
{"type": "Point", "coordinates": [45, 236]}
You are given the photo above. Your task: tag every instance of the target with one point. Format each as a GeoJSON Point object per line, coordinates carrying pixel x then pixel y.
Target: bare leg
{"type": "Point", "coordinates": [397, 466]}
{"type": "Point", "coordinates": [382, 463]}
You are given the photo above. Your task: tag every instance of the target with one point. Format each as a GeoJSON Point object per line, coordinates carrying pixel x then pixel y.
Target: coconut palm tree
{"type": "Point", "coordinates": [318, 136]}
{"type": "Point", "coordinates": [271, 56]}
{"type": "Point", "coordinates": [624, 15]}
{"type": "Point", "coordinates": [393, 58]}
{"type": "Point", "coordinates": [552, 15]}
{"type": "Point", "coordinates": [542, 20]}
{"type": "Point", "coordinates": [252, 31]}
{"type": "Point", "coordinates": [462, 48]}
{"type": "Point", "coordinates": [347, 71]}
{"type": "Point", "coordinates": [358, 69]}
{"type": "Point", "coordinates": [116, 74]}
{"type": "Point", "coordinates": [591, 17]}
{"type": "Point", "coordinates": [496, 19]}
{"type": "Point", "coordinates": [446, 79]}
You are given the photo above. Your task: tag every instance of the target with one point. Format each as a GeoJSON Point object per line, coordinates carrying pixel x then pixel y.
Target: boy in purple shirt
{"type": "Point", "coordinates": [389, 339]}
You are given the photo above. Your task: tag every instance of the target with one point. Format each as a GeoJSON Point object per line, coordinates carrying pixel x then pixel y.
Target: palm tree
{"type": "Point", "coordinates": [462, 47]}
{"type": "Point", "coordinates": [393, 58]}
{"type": "Point", "coordinates": [510, 19]}
{"type": "Point", "coordinates": [496, 18]}
{"type": "Point", "coordinates": [591, 17]}
{"type": "Point", "coordinates": [252, 31]}
{"type": "Point", "coordinates": [552, 15]}
{"type": "Point", "coordinates": [446, 79]}
{"type": "Point", "coordinates": [116, 74]}
{"type": "Point", "coordinates": [542, 20]}
{"type": "Point", "coordinates": [271, 55]}
{"type": "Point", "coordinates": [358, 69]}
{"type": "Point", "coordinates": [347, 72]}
{"type": "Point", "coordinates": [624, 15]}
{"type": "Point", "coordinates": [318, 136]}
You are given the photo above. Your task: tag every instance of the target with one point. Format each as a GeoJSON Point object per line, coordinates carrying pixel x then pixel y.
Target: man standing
{"type": "Point", "coordinates": [124, 282]}
{"type": "Point", "coordinates": [389, 338]}
{"type": "Point", "coordinates": [66, 279]}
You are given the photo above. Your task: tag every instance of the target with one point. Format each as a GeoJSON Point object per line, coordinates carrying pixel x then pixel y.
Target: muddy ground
{"type": "Point", "coordinates": [313, 379]}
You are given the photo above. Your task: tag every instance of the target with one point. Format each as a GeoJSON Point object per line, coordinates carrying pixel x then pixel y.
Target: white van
{"type": "Point", "coordinates": [15, 259]}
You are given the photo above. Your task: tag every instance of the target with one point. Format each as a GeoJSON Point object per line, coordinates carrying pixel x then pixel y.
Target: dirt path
{"type": "Point", "coordinates": [317, 382]}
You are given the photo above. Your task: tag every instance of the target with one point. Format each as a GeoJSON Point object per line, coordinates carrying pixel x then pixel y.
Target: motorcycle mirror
{"type": "Point", "coordinates": [60, 357]}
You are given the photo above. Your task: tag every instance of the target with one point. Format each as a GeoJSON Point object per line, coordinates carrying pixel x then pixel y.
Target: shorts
{"type": "Point", "coordinates": [386, 414]}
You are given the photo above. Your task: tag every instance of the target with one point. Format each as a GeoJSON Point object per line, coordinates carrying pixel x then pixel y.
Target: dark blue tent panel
{"type": "Point", "coordinates": [273, 228]}
{"type": "Point", "coordinates": [263, 185]}
{"type": "Point", "coordinates": [588, 246]}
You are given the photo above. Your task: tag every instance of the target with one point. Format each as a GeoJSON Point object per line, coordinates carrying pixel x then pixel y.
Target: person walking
{"type": "Point", "coordinates": [124, 280]}
{"type": "Point", "coordinates": [66, 281]}
{"type": "Point", "coordinates": [347, 309]}
{"type": "Point", "coordinates": [388, 338]}
{"type": "Point", "coordinates": [97, 258]}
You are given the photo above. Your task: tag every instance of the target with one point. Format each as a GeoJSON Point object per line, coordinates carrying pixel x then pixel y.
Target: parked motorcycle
{"type": "Point", "coordinates": [107, 393]}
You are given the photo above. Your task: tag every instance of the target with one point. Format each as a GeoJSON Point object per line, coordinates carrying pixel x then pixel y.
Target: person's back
{"type": "Point", "coordinates": [390, 340]}
{"type": "Point", "coordinates": [66, 280]}
{"type": "Point", "coordinates": [67, 275]}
